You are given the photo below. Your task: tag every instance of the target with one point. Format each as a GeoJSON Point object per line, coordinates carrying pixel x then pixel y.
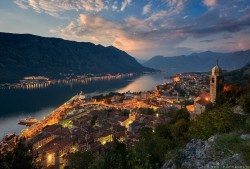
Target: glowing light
{"type": "Point", "coordinates": [157, 115]}
{"type": "Point", "coordinates": [49, 158]}
{"type": "Point", "coordinates": [207, 99]}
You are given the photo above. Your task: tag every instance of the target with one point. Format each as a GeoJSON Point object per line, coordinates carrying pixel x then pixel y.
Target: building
{"type": "Point", "coordinates": [115, 99]}
{"type": "Point", "coordinates": [216, 83]}
{"type": "Point", "coordinates": [203, 100]}
{"type": "Point", "coordinates": [200, 104]}
{"type": "Point", "coordinates": [82, 96]}
{"type": "Point", "coordinates": [145, 95]}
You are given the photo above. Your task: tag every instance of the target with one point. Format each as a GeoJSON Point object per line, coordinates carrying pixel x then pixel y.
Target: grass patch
{"type": "Point", "coordinates": [232, 143]}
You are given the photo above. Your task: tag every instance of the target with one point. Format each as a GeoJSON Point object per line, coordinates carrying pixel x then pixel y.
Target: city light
{"type": "Point", "coordinates": [49, 158]}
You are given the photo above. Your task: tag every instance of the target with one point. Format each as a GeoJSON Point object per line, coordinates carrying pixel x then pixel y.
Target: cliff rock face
{"type": "Point", "coordinates": [200, 154]}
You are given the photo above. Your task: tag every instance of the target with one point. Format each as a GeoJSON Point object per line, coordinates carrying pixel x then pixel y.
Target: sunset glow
{"type": "Point", "coordinates": [142, 28]}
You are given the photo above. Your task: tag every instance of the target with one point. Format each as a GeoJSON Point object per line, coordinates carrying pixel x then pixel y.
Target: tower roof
{"type": "Point", "coordinates": [216, 70]}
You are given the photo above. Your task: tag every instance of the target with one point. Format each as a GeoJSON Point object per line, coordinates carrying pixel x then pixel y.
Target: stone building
{"type": "Point", "coordinates": [216, 83]}
{"type": "Point", "coordinates": [216, 88]}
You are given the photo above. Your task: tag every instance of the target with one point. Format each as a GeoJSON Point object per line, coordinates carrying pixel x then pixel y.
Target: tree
{"type": "Point", "coordinates": [179, 129]}
{"type": "Point", "coordinates": [164, 131]}
{"type": "Point", "coordinates": [93, 120]}
{"type": "Point", "coordinates": [20, 157]}
{"type": "Point", "coordinates": [115, 156]}
{"type": "Point", "coordinates": [244, 101]}
{"type": "Point", "coordinates": [81, 160]}
{"type": "Point", "coordinates": [179, 114]}
{"type": "Point", "coordinates": [150, 150]}
{"type": "Point", "coordinates": [217, 121]}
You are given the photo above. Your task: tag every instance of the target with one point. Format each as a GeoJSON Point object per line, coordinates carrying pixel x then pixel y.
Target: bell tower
{"type": "Point", "coordinates": [216, 83]}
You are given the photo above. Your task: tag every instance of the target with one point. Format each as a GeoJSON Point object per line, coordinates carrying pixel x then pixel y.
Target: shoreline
{"type": "Point", "coordinates": [16, 117]}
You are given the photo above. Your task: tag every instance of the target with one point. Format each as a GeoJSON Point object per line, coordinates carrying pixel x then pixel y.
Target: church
{"type": "Point", "coordinates": [204, 99]}
{"type": "Point", "coordinates": [216, 83]}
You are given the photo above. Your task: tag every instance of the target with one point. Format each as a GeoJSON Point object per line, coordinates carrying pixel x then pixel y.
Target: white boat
{"type": "Point", "coordinates": [28, 121]}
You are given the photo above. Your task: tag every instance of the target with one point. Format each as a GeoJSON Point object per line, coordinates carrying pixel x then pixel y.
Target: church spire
{"type": "Point", "coordinates": [216, 82]}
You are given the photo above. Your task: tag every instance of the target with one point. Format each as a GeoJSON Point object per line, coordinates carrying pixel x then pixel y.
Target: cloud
{"type": "Point", "coordinates": [54, 7]}
{"type": "Point", "coordinates": [21, 4]}
{"type": "Point", "coordinates": [212, 22]}
{"type": "Point", "coordinates": [89, 27]}
{"type": "Point", "coordinates": [52, 30]}
{"type": "Point", "coordinates": [208, 40]}
{"type": "Point", "coordinates": [132, 35]}
{"type": "Point", "coordinates": [227, 36]}
{"type": "Point", "coordinates": [114, 6]}
{"type": "Point", "coordinates": [161, 31]}
{"type": "Point", "coordinates": [173, 7]}
{"type": "Point", "coordinates": [146, 9]}
{"type": "Point", "coordinates": [243, 44]}
{"type": "Point", "coordinates": [124, 4]}
{"type": "Point", "coordinates": [210, 3]}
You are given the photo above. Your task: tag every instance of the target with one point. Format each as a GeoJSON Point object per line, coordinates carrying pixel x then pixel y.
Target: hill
{"type": "Point", "coordinates": [239, 76]}
{"type": "Point", "coordinates": [199, 61]}
{"type": "Point", "coordinates": [24, 55]}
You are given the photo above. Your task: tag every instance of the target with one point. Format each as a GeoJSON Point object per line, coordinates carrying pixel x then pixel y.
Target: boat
{"type": "Point", "coordinates": [82, 96]}
{"type": "Point", "coordinates": [28, 121]}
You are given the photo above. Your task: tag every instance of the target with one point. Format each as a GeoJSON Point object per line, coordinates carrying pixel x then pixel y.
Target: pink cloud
{"type": "Point", "coordinates": [210, 3]}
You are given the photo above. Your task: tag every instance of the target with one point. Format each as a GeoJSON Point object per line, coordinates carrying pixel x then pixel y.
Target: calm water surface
{"type": "Point", "coordinates": [16, 104]}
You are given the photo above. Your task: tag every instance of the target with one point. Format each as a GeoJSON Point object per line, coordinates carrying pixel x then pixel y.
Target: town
{"type": "Point", "coordinates": [88, 123]}
{"type": "Point", "coordinates": [37, 82]}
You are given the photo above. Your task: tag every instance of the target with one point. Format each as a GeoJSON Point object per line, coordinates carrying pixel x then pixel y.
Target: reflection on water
{"type": "Point", "coordinates": [38, 102]}
{"type": "Point", "coordinates": [39, 84]}
{"type": "Point", "coordinates": [144, 83]}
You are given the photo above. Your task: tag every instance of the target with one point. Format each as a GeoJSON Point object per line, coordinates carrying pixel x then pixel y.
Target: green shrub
{"type": "Point", "coordinates": [247, 124]}
{"type": "Point", "coordinates": [217, 121]}
{"type": "Point", "coordinates": [227, 139]}
{"type": "Point", "coordinates": [244, 102]}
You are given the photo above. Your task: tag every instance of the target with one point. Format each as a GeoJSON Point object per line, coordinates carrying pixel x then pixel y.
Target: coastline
{"type": "Point", "coordinates": [44, 111]}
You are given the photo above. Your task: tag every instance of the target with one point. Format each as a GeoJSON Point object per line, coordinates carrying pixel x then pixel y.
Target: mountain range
{"type": "Point", "coordinates": [25, 55]}
{"type": "Point", "coordinates": [199, 62]}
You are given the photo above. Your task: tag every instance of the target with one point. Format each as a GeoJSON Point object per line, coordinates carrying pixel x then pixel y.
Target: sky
{"type": "Point", "coordinates": [142, 28]}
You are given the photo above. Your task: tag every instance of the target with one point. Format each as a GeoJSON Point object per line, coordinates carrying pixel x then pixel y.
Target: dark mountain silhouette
{"type": "Point", "coordinates": [199, 61]}
{"type": "Point", "coordinates": [239, 76]}
{"type": "Point", "coordinates": [25, 55]}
